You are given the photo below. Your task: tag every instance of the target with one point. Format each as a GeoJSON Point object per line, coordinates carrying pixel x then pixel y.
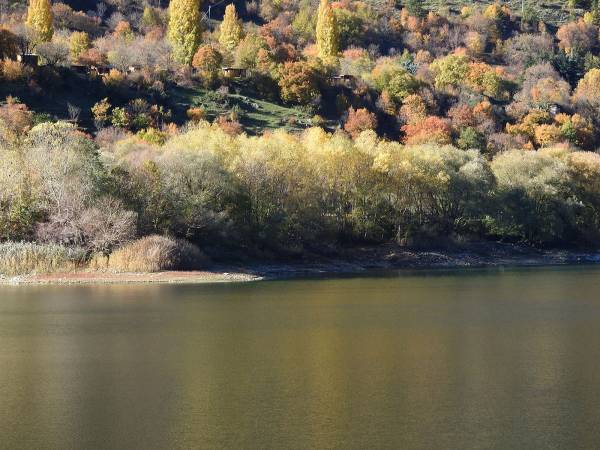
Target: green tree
{"type": "Point", "coordinates": [533, 196]}
{"type": "Point", "coordinates": [450, 70]}
{"type": "Point", "coordinates": [328, 39]}
{"type": "Point", "coordinates": [150, 18]}
{"type": "Point", "coordinates": [184, 29]}
{"type": "Point", "coordinates": [39, 19]}
{"type": "Point", "coordinates": [231, 29]}
{"type": "Point", "coordinates": [392, 78]}
{"type": "Point", "coordinates": [78, 43]}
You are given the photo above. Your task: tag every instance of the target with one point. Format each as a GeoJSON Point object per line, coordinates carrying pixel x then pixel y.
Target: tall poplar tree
{"type": "Point", "coordinates": [328, 38]}
{"type": "Point", "coordinates": [231, 29]}
{"type": "Point", "coordinates": [185, 29]}
{"type": "Point", "coordinates": [39, 19]}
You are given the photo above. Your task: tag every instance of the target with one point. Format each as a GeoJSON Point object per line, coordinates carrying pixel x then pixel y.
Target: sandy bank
{"type": "Point", "coordinates": [97, 277]}
{"type": "Point", "coordinates": [351, 261]}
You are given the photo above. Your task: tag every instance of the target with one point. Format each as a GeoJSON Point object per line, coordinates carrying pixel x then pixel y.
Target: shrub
{"type": "Point", "coordinates": [413, 109]}
{"type": "Point", "coordinates": [16, 117]}
{"type": "Point", "coordinates": [100, 111]}
{"type": "Point", "coordinates": [196, 114]}
{"type": "Point", "coordinates": [450, 70]}
{"type": "Point", "coordinates": [529, 49]}
{"type": "Point", "coordinates": [207, 61]}
{"type": "Point", "coordinates": [114, 78]}
{"type": "Point", "coordinates": [389, 76]}
{"type": "Point", "coordinates": [299, 82]}
{"type": "Point", "coordinates": [123, 30]}
{"type": "Point", "coordinates": [484, 79]}
{"type": "Point", "coordinates": [14, 71]}
{"type": "Point", "coordinates": [471, 138]}
{"type": "Point", "coordinates": [120, 118]}
{"type": "Point", "coordinates": [229, 125]}
{"type": "Point", "coordinates": [20, 258]}
{"type": "Point", "coordinates": [587, 94]}
{"type": "Point", "coordinates": [431, 130]}
{"type": "Point", "coordinates": [577, 36]}
{"type": "Point", "coordinates": [533, 196]}
{"type": "Point", "coordinates": [156, 253]}
{"type": "Point", "coordinates": [359, 120]}
{"type": "Point", "coordinates": [55, 53]}
{"type": "Point", "coordinates": [152, 136]}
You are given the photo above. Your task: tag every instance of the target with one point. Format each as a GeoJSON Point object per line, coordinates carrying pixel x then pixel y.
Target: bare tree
{"type": "Point", "coordinates": [107, 225]}
{"type": "Point", "coordinates": [74, 112]}
{"type": "Point", "coordinates": [55, 53]}
{"type": "Point", "coordinates": [101, 10]}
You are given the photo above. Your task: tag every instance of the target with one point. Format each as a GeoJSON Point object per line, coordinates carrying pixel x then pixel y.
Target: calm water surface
{"type": "Point", "coordinates": [480, 359]}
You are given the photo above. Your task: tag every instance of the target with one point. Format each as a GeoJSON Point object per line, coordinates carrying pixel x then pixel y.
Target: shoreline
{"type": "Point", "coordinates": [354, 261]}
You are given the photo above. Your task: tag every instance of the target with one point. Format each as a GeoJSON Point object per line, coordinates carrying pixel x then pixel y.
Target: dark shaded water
{"type": "Point", "coordinates": [483, 359]}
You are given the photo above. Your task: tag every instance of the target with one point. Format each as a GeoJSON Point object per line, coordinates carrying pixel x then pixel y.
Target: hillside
{"type": "Point", "coordinates": [256, 114]}
{"type": "Point", "coordinates": [553, 12]}
{"type": "Point", "coordinates": [136, 138]}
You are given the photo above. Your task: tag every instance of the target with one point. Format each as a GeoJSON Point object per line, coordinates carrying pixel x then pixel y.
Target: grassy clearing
{"type": "Point", "coordinates": [255, 114]}
{"type": "Point", "coordinates": [20, 258]}
{"type": "Point", "coordinates": [553, 12]}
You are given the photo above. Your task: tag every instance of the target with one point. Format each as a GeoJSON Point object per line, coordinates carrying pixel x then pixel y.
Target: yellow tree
{"type": "Point", "coordinates": [231, 29]}
{"type": "Point", "coordinates": [328, 38]}
{"type": "Point", "coordinates": [39, 19]}
{"type": "Point", "coordinates": [79, 42]}
{"type": "Point", "coordinates": [184, 29]}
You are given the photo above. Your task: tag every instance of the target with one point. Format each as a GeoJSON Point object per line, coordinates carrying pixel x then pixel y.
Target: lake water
{"type": "Point", "coordinates": [477, 359]}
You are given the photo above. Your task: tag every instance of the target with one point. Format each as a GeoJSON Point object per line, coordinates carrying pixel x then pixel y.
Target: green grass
{"type": "Point", "coordinates": [553, 12]}
{"type": "Point", "coordinates": [255, 114]}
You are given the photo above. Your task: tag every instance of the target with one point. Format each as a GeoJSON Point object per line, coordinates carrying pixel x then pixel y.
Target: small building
{"type": "Point", "coordinates": [29, 59]}
{"type": "Point", "coordinates": [235, 72]}
{"type": "Point", "coordinates": [344, 80]}
{"type": "Point", "coordinates": [132, 69]}
{"type": "Point", "coordinates": [555, 109]}
{"type": "Point", "coordinates": [99, 70]}
{"type": "Point", "coordinates": [80, 68]}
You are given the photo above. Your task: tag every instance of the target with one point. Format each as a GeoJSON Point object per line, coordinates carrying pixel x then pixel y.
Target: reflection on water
{"type": "Point", "coordinates": [483, 359]}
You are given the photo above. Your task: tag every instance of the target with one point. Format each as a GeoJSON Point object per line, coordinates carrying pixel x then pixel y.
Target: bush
{"type": "Point", "coordinates": [196, 114]}
{"type": "Point", "coordinates": [299, 83]}
{"type": "Point", "coordinates": [156, 253]}
{"type": "Point", "coordinates": [431, 130]}
{"type": "Point", "coordinates": [152, 136]}
{"type": "Point", "coordinates": [359, 120]}
{"type": "Point", "coordinates": [391, 77]}
{"type": "Point", "coordinates": [13, 71]}
{"type": "Point", "coordinates": [19, 258]}
{"type": "Point", "coordinates": [208, 61]}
